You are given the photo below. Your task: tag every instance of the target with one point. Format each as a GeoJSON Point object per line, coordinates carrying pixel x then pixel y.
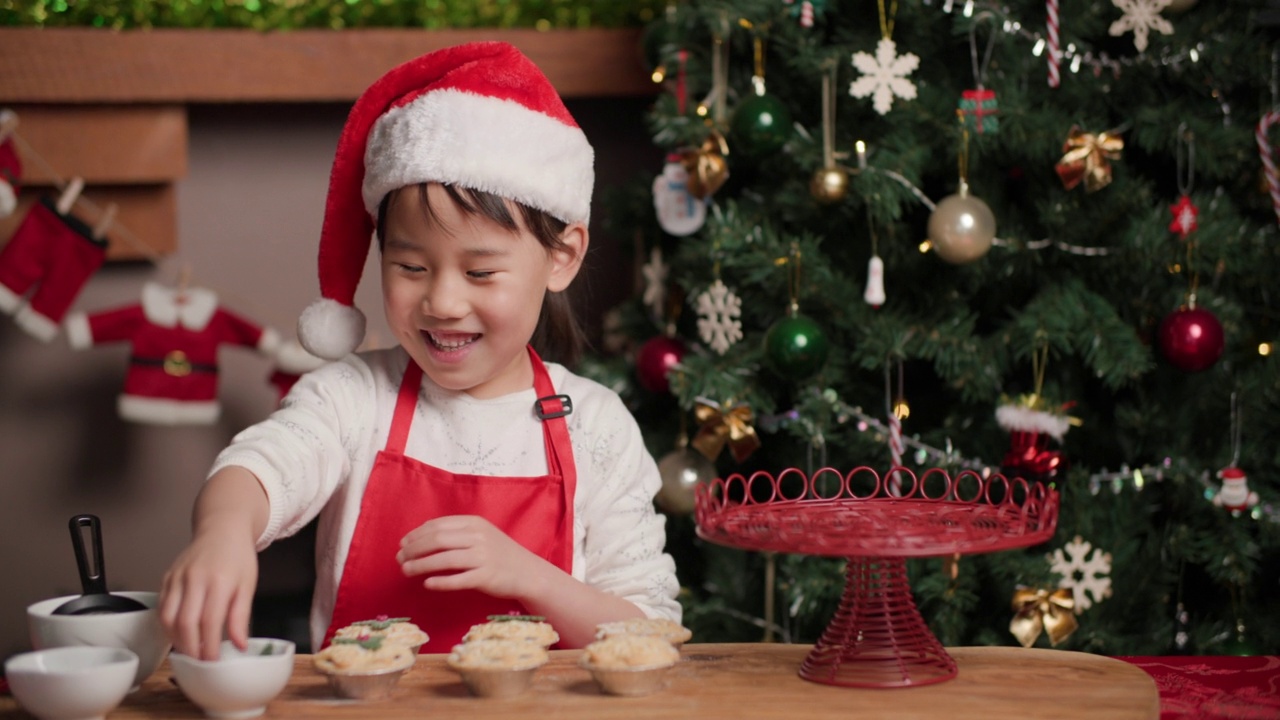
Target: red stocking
{"type": "Point", "coordinates": [56, 251]}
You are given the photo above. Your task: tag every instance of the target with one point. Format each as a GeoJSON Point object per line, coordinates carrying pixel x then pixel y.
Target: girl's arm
{"type": "Point", "coordinates": [211, 584]}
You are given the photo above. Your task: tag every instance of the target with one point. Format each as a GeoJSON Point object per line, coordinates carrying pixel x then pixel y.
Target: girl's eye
{"type": "Point", "coordinates": [480, 274]}
{"type": "Point", "coordinates": [410, 268]}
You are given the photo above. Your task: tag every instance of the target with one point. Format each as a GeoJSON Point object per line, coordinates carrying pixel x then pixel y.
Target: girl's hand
{"type": "Point", "coordinates": [478, 555]}
{"type": "Point", "coordinates": [210, 586]}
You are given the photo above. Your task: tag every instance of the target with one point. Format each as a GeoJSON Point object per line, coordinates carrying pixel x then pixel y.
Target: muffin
{"type": "Point", "coordinates": [669, 630]}
{"type": "Point", "coordinates": [398, 631]}
{"type": "Point", "coordinates": [363, 669]}
{"type": "Point", "coordinates": [497, 668]}
{"type": "Point", "coordinates": [527, 628]}
{"type": "Point", "coordinates": [630, 664]}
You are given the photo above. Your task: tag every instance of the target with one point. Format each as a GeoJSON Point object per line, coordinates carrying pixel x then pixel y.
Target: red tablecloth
{"type": "Point", "coordinates": [1213, 688]}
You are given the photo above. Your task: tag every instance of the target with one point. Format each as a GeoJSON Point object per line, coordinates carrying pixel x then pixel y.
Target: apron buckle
{"type": "Point", "coordinates": [566, 407]}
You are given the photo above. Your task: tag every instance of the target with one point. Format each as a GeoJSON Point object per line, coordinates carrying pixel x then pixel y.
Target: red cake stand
{"type": "Point", "coordinates": [877, 637]}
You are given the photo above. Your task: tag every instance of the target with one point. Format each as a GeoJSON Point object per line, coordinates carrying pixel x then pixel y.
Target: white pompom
{"type": "Point", "coordinates": [8, 200]}
{"type": "Point", "coordinates": [330, 330]}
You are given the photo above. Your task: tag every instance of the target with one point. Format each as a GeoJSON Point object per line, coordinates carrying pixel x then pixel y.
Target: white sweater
{"type": "Point", "coordinates": [313, 457]}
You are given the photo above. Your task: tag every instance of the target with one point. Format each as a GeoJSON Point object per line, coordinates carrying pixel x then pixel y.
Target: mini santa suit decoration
{"type": "Point", "coordinates": [1235, 494]}
{"type": "Point", "coordinates": [175, 334]}
{"type": "Point", "coordinates": [1030, 429]}
{"type": "Point", "coordinates": [291, 363]}
{"type": "Point", "coordinates": [10, 165]}
{"type": "Point", "coordinates": [56, 251]}
{"type": "Point", "coordinates": [480, 116]}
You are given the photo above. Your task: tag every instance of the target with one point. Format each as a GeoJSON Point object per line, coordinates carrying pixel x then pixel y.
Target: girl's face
{"type": "Point", "coordinates": [462, 294]}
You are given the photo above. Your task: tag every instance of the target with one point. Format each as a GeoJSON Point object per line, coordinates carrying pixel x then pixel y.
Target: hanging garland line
{"type": "Point", "coordinates": [1137, 478]}
{"type": "Point", "coordinates": [1097, 62]}
{"type": "Point", "coordinates": [1083, 250]}
{"type": "Point", "coordinates": [113, 225]}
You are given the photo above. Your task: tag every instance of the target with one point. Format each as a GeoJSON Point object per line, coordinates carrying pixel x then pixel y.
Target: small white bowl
{"type": "Point", "coordinates": [139, 630]}
{"type": "Point", "coordinates": [240, 683]}
{"type": "Point", "coordinates": [71, 683]}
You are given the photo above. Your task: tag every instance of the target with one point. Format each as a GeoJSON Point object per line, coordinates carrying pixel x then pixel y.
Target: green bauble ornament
{"type": "Point", "coordinates": [761, 125]}
{"type": "Point", "coordinates": [795, 347]}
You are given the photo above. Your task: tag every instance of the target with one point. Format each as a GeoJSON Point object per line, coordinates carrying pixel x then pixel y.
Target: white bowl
{"type": "Point", "coordinates": [71, 683]}
{"type": "Point", "coordinates": [139, 630]}
{"type": "Point", "coordinates": [240, 683]}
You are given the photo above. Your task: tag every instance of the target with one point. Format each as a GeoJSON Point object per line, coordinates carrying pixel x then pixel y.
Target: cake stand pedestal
{"type": "Point", "coordinates": [877, 637]}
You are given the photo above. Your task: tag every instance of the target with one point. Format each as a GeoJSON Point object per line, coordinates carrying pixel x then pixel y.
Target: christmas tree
{"type": "Point", "coordinates": [1026, 238]}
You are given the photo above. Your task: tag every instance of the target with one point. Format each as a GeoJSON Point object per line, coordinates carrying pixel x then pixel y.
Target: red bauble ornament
{"type": "Point", "coordinates": [655, 359]}
{"type": "Point", "coordinates": [1191, 339]}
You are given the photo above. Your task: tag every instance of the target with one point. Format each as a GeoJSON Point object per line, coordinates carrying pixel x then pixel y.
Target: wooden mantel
{"type": "Point", "coordinates": [111, 106]}
{"type": "Point", "coordinates": [85, 65]}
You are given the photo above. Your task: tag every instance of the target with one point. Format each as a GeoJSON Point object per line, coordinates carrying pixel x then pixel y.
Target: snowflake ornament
{"type": "Point", "coordinates": [1140, 16]}
{"type": "Point", "coordinates": [1085, 571]}
{"type": "Point", "coordinates": [655, 282]}
{"type": "Point", "coordinates": [885, 75]}
{"type": "Point", "coordinates": [718, 313]}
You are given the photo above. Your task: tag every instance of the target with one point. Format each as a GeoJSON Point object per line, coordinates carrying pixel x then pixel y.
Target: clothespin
{"type": "Point", "coordinates": [69, 195]}
{"type": "Point", "coordinates": [104, 222]}
{"type": "Point", "coordinates": [184, 281]}
{"type": "Point", "coordinates": [8, 123]}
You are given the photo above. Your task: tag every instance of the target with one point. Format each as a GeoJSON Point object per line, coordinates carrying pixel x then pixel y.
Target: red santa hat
{"type": "Point", "coordinates": [480, 116]}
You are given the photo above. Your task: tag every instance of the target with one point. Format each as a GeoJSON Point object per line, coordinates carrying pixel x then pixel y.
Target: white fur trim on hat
{"type": "Point", "coordinates": [330, 330]}
{"type": "Point", "coordinates": [482, 143]}
{"type": "Point", "coordinates": [1024, 419]}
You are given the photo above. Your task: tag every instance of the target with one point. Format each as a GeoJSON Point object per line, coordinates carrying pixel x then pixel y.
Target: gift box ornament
{"type": "Point", "coordinates": [980, 110]}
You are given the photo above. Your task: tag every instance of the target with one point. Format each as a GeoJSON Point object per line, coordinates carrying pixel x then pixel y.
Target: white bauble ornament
{"type": "Point", "coordinates": [961, 228]}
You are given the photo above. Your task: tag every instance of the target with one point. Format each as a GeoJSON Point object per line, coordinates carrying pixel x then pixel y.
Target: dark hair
{"type": "Point", "coordinates": [558, 336]}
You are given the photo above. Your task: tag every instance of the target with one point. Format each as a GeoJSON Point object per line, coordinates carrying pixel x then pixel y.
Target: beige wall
{"type": "Point", "coordinates": [249, 216]}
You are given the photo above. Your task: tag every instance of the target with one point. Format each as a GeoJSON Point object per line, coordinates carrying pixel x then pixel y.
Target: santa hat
{"type": "Point", "coordinates": [480, 116]}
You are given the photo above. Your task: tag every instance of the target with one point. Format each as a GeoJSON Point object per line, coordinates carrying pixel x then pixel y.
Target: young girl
{"type": "Point", "coordinates": [456, 476]}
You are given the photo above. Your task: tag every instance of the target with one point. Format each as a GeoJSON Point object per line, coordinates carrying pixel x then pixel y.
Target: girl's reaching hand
{"type": "Point", "coordinates": [467, 552]}
{"type": "Point", "coordinates": [210, 586]}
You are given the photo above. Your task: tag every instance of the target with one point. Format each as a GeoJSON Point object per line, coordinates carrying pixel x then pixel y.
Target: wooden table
{"type": "Point", "coordinates": [737, 681]}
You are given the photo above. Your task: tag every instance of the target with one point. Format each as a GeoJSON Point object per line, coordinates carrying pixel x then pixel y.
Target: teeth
{"type": "Point", "coordinates": [452, 344]}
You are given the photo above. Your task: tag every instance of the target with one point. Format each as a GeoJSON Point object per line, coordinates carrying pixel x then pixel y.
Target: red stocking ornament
{"type": "Point", "coordinates": [56, 251]}
{"type": "Point", "coordinates": [1030, 429]}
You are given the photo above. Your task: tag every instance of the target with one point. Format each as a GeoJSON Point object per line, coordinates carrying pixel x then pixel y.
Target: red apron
{"type": "Point", "coordinates": [403, 493]}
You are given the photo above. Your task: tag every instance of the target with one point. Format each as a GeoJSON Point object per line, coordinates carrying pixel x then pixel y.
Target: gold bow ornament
{"type": "Point", "coordinates": [720, 425]}
{"type": "Point", "coordinates": [706, 166]}
{"type": "Point", "coordinates": [1038, 609]}
{"type": "Point", "coordinates": [1087, 157]}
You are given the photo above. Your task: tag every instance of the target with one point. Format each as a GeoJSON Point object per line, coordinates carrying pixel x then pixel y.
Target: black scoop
{"type": "Point", "coordinates": [95, 599]}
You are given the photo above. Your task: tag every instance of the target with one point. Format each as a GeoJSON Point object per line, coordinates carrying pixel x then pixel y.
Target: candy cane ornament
{"type": "Point", "coordinates": [1051, 6]}
{"type": "Point", "coordinates": [1268, 158]}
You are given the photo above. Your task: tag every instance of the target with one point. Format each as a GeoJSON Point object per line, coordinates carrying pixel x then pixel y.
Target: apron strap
{"type": "Point", "coordinates": [406, 404]}
{"type": "Point", "coordinates": [551, 409]}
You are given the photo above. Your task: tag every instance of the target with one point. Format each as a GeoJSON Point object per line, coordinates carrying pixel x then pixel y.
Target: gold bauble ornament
{"type": "Point", "coordinates": [682, 470]}
{"type": "Point", "coordinates": [961, 228]}
{"type": "Point", "coordinates": [829, 184]}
